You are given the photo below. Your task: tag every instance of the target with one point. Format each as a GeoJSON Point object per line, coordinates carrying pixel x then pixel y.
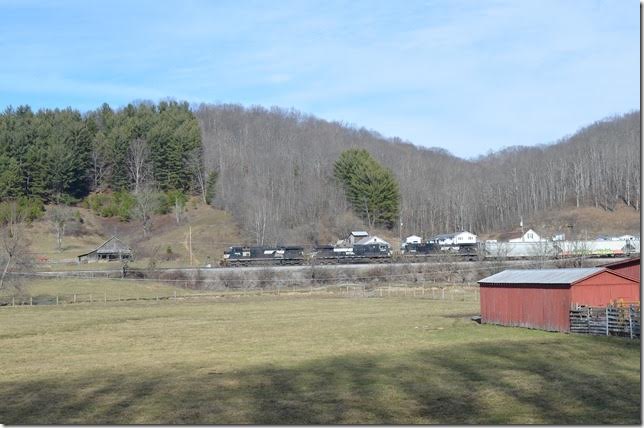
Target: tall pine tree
{"type": "Point", "coordinates": [371, 188]}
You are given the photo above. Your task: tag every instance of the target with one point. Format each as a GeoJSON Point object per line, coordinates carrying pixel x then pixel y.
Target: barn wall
{"type": "Point", "coordinates": [601, 289]}
{"type": "Point", "coordinates": [526, 306]}
{"type": "Point", "coordinates": [632, 271]}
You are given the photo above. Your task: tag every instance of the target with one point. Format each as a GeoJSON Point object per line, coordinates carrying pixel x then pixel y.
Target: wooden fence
{"type": "Point", "coordinates": [623, 320]}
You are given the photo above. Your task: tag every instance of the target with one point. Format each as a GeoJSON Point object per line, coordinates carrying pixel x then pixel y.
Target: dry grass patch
{"type": "Point", "coordinates": [306, 360]}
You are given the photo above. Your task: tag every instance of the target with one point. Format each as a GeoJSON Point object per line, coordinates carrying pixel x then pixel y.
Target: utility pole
{"type": "Point", "coordinates": [400, 228]}
{"type": "Point", "coordinates": [190, 242]}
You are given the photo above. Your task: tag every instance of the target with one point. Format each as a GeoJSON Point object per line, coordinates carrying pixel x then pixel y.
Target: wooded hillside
{"type": "Point", "coordinates": [276, 174]}
{"type": "Point", "coordinates": [273, 169]}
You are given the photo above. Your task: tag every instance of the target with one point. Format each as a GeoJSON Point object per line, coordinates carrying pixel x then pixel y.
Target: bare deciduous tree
{"type": "Point", "coordinates": [138, 162]}
{"type": "Point", "coordinates": [147, 201]}
{"type": "Point", "coordinates": [13, 247]}
{"type": "Point", "coordinates": [59, 217]}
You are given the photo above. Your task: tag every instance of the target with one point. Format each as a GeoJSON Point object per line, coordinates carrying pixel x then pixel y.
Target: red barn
{"type": "Point", "coordinates": [542, 298]}
{"type": "Point", "coordinates": [628, 267]}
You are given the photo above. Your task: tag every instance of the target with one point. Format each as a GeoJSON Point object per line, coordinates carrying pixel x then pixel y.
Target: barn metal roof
{"type": "Point", "coordinates": [540, 276]}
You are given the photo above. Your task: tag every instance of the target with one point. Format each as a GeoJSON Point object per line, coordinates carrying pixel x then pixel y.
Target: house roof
{"type": "Point", "coordinates": [512, 234]}
{"type": "Point", "coordinates": [541, 276]}
{"type": "Point", "coordinates": [111, 246]}
{"type": "Point", "coordinates": [448, 235]}
{"type": "Point", "coordinates": [365, 241]}
{"type": "Point", "coordinates": [359, 233]}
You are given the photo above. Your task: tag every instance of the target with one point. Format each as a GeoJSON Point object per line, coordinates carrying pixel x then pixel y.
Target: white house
{"type": "Point", "coordinates": [456, 238]}
{"type": "Point", "coordinates": [528, 236]}
{"type": "Point", "coordinates": [413, 239]}
{"type": "Point", "coordinates": [371, 240]}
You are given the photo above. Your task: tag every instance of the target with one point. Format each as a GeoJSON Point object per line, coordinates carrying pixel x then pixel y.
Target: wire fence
{"type": "Point", "coordinates": [447, 293]}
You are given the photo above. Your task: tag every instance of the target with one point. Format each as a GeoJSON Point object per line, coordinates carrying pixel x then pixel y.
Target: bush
{"type": "Point", "coordinates": [119, 204]}
{"type": "Point", "coordinates": [28, 209]}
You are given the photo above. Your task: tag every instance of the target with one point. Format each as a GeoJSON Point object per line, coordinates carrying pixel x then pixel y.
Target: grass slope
{"type": "Point", "coordinates": [281, 360]}
{"type": "Point", "coordinates": [212, 231]}
{"type": "Point", "coordinates": [588, 222]}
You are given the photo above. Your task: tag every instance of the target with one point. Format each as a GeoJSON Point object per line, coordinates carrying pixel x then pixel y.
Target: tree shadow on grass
{"type": "Point", "coordinates": [555, 381]}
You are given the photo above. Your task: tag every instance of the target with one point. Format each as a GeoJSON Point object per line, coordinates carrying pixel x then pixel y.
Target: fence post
{"type": "Point", "coordinates": [105, 297]}
{"type": "Point", "coordinates": [74, 297]}
{"type": "Point", "coordinates": [630, 320]}
{"type": "Point", "coordinates": [90, 299]}
{"type": "Point", "coordinates": [175, 296]}
{"type": "Point", "coordinates": [31, 301]}
{"type": "Point", "coordinates": [606, 320]}
{"type": "Point", "coordinates": [442, 293]}
{"type": "Point", "coordinates": [57, 299]}
{"type": "Point", "coordinates": [13, 302]}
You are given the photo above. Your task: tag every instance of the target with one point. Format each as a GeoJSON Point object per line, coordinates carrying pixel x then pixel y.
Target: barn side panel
{"type": "Point", "coordinates": [632, 271]}
{"type": "Point", "coordinates": [601, 289]}
{"type": "Point", "coordinates": [529, 306]}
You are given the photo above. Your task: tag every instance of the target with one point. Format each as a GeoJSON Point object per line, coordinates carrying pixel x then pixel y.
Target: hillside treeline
{"type": "Point", "coordinates": [273, 169]}
{"type": "Point", "coordinates": [62, 155]}
{"type": "Point", "coordinates": [276, 175]}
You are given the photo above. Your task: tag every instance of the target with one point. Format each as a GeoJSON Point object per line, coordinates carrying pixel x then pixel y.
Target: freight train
{"type": "Point", "coordinates": [415, 252]}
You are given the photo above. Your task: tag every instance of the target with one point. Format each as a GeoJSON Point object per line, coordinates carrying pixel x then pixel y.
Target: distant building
{"type": "Point", "coordinates": [356, 236]}
{"type": "Point", "coordinates": [455, 238]}
{"type": "Point", "coordinates": [111, 250]}
{"type": "Point", "coordinates": [519, 236]}
{"type": "Point", "coordinates": [413, 239]}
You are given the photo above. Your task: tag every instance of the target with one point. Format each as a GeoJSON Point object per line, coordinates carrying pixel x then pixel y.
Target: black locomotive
{"type": "Point", "coordinates": [294, 255]}
{"type": "Point", "coordinates": [263, 256]}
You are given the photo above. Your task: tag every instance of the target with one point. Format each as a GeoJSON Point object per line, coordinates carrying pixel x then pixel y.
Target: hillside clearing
{"type": "Point", "coordinates": [306, 360]}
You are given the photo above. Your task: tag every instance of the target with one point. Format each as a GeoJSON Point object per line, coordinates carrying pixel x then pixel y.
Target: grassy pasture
{"type": "Point", "coordinates": [304, 360]}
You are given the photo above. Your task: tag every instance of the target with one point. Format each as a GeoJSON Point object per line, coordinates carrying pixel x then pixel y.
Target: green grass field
{"type": "Point", "coordinates": [289, 360]}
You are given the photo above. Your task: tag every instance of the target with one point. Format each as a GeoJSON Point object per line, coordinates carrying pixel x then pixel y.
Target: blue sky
{"type": "Point", "coordinates": [468, 76]}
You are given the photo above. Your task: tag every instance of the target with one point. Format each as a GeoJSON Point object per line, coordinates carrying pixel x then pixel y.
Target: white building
{"type": "Point", "coordinates": [413, 239]}
{"type": "Point", "coordinates": [456, 238]}
{"type": "Point", "coordinates": [528, 236]}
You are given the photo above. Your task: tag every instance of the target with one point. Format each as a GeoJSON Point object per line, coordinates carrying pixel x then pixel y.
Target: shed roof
{"type": "Point", "coordinates": [359, 233]}
{"type": "Point", "coordinates": [621, 263]}
{"type": "Point", "coordinates": [541, 276]}
{"type": "Point", "coordinates": [111, 246]}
